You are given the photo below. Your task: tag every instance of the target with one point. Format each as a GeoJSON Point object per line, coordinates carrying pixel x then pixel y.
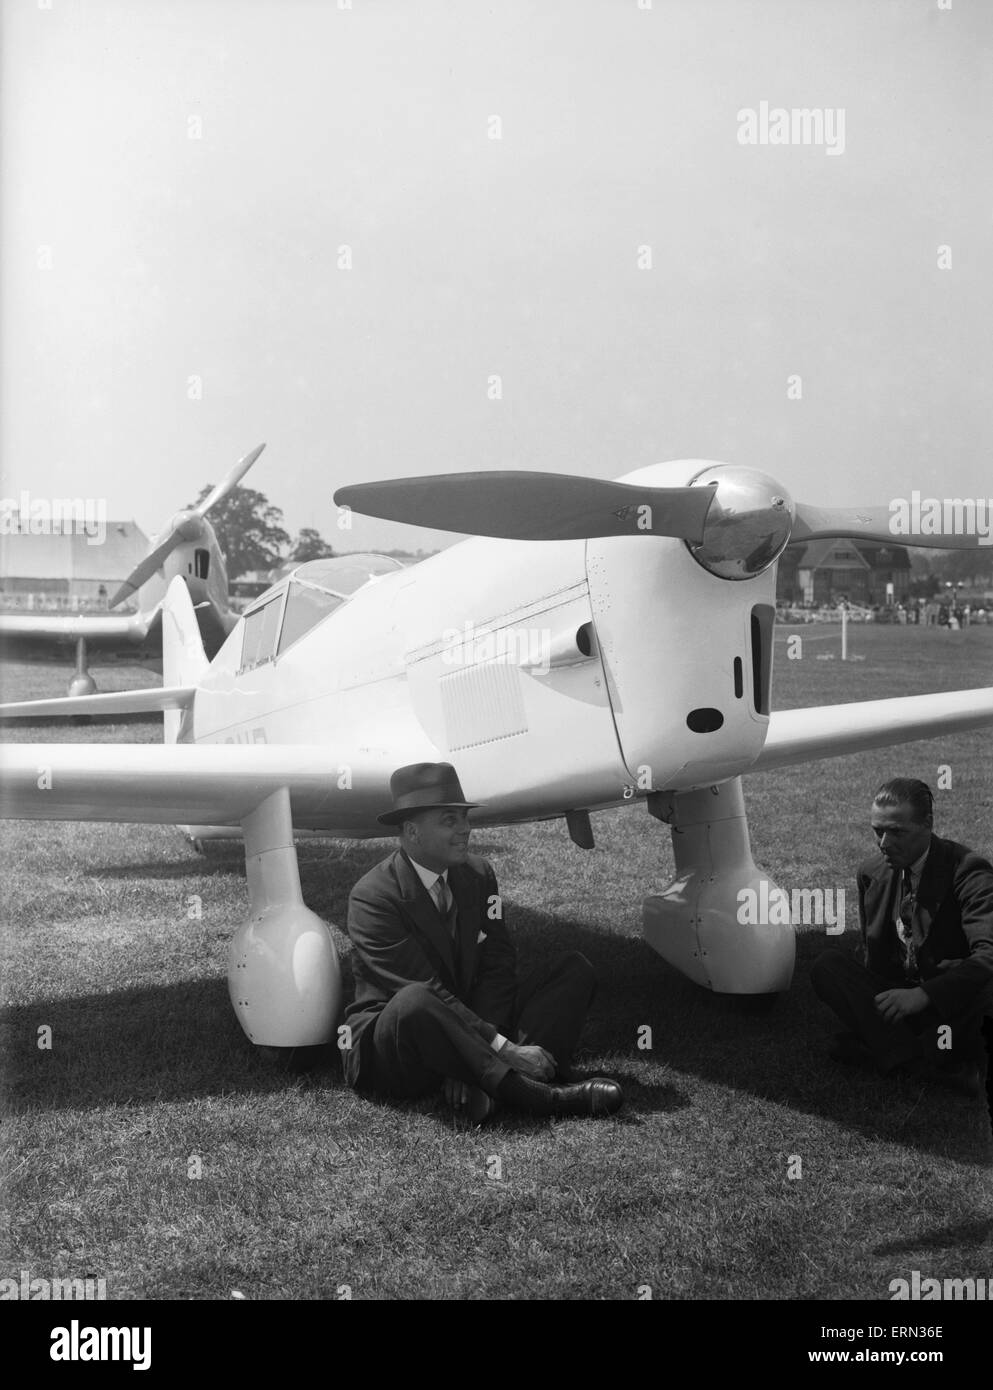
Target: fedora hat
{"type": "Point", "coordinates": [421, 786]}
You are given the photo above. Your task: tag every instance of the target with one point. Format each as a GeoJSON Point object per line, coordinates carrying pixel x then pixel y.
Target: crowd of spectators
{"type": "Point", "coordinates": [919, 612]}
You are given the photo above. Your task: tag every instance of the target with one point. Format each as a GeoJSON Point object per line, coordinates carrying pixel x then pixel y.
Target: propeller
{"type": "Point", "coordinates": [186, 526]}
{"type": "Point", "coordinates": [524, 506]}
{"type": "Point", "coordinates": [877, 524]}
{"type": "Point", "coordinates": [735, 521]}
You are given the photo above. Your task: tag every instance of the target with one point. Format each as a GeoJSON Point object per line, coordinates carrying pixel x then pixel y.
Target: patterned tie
{"type": "Point", "coordinates": [908, 902]}
{"type": "Point", "coordinates": [443, 895]}
{"type": "Point", "coordinates": [449, 915]}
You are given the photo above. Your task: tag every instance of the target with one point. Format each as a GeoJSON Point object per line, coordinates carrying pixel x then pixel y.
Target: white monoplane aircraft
{"type": "Point", "coordinates": [594, 644]}
{"type": "Point", "coordinates": [186, 547]}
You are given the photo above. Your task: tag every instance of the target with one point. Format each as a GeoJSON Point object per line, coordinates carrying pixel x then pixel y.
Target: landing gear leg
{"type": "Point", "coordinates": [283, 971]}
{"type": "Point", "coordinates": [720, 921]}
{"type": "Point", "coordinates": [82, 682]}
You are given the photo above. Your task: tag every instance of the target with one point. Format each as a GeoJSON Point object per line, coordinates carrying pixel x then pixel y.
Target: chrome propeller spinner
{"type": "Point", "coordinates": [748, 524]}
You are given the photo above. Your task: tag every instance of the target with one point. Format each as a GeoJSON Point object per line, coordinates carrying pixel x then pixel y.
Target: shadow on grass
{"type": "Point", "coordinates": [963, 1235]}
{"type": "Point", "coordinates": [318, 860]}
{"type": "Point", "coordinates": [126, 1047]}
{"type": "Point", "coordinates": [328, 870]}
{"type": "Point", "coordinates": [181, 1040]}
{"type": "Point", "coordinates": [80, 721]}
{"type": "Point", "coordinates": [776, 1053]}
{"type": "Point", "coordinates": [640, 1101]}
{"type": "Point", "coordinates": [203, 866]}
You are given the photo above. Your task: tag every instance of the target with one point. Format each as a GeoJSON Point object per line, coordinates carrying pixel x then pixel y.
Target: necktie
{"type": "Point", "coordinates": [449, 914]}
{"type": "Point", "coordinates": [908, 902]}
{"type": "Point", "coordinates": [443, 895]}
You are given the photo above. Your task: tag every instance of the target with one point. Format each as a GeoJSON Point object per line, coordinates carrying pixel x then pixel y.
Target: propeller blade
{"type": "Point", "coordinates": [147, 567]}
{"type": "Point", "coordinates": [230, 480]}
{"type": "Point", "coordinates": [156, 558]}
{"type": "Point", "coordinates": [881, 524]}
{"type": "Point", "coordinates": [524, 506]}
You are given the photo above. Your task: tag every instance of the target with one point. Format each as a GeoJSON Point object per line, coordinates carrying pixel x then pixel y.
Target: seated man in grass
{"type": "Point", "coordinates": [926, 913]}
{"type": "Point", "coordinates": [438, 1005]}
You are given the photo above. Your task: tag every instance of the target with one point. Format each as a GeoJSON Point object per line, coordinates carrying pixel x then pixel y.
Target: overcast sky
{"type": "Point", "coordinates": [178, 180]}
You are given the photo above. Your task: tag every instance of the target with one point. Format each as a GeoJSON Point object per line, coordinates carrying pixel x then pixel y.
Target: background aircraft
{"type": "Point", "coordinates": [187, 548]}
{"type": "Point", "coordinates": [594, 644]}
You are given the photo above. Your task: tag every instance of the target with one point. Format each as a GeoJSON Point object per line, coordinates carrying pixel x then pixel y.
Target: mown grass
{"type": "Point", "coordinates": [306, 1190]}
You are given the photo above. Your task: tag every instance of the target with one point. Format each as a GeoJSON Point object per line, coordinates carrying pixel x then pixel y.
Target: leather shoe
{"type": "Point", "coordinates": [963, 1078]}
{"type": "Point", "coordinates": [598, 1096]}
{"type": "Point", "coordinates": [480, 1105]}
{"type": "Point", "coordinates": [850, 1050]}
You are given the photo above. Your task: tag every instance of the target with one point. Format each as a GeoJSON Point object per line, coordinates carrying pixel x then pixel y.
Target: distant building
{"type": "Point", "coordinates": [825, 571]}
{"type": "Point", "coordinates": [67, 568]}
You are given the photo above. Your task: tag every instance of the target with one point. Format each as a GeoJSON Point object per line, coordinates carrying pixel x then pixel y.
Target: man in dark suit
{"type": "Point", "coordinates": [437, 1000]}
{"type": "Point", "coordinates": [926, 915]}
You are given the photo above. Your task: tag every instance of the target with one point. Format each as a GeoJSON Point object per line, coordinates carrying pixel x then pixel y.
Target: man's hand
{"type": "Point", "coordinates": [530, 1061]}
{"type": "Point", "coordinates": [456, 1092]}
{"type": "Point", "coordinates": [895, 1004]}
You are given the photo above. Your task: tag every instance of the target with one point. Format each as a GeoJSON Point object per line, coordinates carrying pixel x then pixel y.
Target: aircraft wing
{"type": "Point", "coordinates": [154, 700]}
{"type": "Point", "coordinates": [109, 630]}
{"type": "Point", "coordinates": [97, 628]}
{"type": "Point", "coordinates": [339, 791]}
{"type": "Point", "coordinates": [830, 731]}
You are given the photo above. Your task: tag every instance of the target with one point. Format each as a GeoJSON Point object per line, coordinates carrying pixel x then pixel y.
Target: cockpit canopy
{"type": "Point", "coordinates": [344, 574]}
{"type": "Point", "coordinates": [304, 598]}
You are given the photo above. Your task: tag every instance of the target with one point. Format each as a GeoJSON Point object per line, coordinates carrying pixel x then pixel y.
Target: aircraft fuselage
{"type": "Point", "coordinates": [555, 675]}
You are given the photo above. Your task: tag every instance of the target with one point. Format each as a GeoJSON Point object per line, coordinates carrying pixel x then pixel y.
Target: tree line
{"type": "Point", "coordinates": [250, 532]}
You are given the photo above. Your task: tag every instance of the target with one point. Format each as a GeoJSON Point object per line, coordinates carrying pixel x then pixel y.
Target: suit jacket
{"type": "Point", "coordinates": [953, 921]}
{"type": "Point", "coordinates": [399, 938]}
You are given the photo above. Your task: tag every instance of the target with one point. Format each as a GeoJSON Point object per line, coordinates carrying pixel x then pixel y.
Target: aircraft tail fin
{"type": "Point", "coordinates": [184, 660]}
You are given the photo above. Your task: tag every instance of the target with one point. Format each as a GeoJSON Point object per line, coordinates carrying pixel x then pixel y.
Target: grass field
{"type": "Point", "coordinates": [152, 1147]}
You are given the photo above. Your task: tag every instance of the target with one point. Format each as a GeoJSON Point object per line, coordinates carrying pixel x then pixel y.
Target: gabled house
{"type": "Point", "coordinates": [825, 571]}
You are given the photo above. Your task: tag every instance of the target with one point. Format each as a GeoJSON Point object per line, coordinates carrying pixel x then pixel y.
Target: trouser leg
{"type": "Point", "coordinates": [962, 1042]}
{"type": "Point", "coordinates": [850, 990]}
{"type": "Point", "coordinates": [552, 1003]}
{"type": "Point", "coordinates": [419, 1041]}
